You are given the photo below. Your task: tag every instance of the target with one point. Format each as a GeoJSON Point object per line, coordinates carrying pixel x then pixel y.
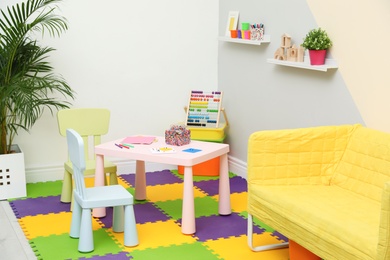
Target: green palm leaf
{"type": "Point", "coordinates": [28, 83]}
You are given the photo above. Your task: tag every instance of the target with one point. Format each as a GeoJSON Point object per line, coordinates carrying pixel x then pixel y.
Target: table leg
{"type": "Point", "coordinates": [224, 187]}
{"type": "Point", "coordinates": [188, 210]}
{"type": "Point", "coordinates": [140, 181]}
{"type": "Point", "coordinates": [99, 181]}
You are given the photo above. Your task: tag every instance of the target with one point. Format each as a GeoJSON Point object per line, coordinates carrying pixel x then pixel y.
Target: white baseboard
{"type": "Point", "coordinates": [56, 172]}
{"type": "Point", "coordinates": [44, 173]}
{"type": "Point", "coordinates": [237, 167]}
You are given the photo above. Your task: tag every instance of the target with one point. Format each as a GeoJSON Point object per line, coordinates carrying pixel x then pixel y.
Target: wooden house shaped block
{"type": "Point", "coordinates": [292, 53]}
{"type": "Point", "coordinates": [279, 54]}
{"type": "Point", "coordinates": [286, 41]}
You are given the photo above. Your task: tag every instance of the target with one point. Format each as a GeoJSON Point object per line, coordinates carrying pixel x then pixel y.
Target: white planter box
{"type": "Point", "coordinates": [12, 175]}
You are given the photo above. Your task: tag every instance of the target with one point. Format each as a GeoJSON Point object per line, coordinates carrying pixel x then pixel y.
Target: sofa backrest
{"type": "Point", "coordinates": [296, 156]}
{"type": "Point", "coordinates": [365, 165]}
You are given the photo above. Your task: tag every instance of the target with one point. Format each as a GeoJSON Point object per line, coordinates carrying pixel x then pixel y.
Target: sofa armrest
{"type": "Point", "coordinates": [384, 225]}
{"type": "Point", "coordinates": [296, 156]}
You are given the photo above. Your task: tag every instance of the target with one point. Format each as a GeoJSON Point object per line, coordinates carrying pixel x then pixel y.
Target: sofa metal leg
{"type": "Point", "coordinates": [260, 248]}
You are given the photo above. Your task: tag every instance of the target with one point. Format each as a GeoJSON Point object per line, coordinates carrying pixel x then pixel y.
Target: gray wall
{"type": "Point", "coordinates": [259, 95]}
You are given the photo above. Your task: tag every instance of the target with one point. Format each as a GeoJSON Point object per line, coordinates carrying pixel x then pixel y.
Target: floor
{"type": "Point", "coordinates": [13, 243]}
{"type": "Point", "coordinates": [217, 237]}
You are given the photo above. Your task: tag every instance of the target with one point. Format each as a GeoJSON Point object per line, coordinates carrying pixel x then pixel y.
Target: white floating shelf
{"type": "Point", "coordinates": [266, 39]}
{"type": "Point", "coordinates": [329, 64]}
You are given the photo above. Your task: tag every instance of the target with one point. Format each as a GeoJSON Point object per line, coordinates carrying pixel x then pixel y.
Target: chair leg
{"type": "Point", "coordinates": [86, 234]}
{"type": "Point", "coordinates": [113, 178]}
{"type": "Point", "coordinates": [66, 194]}
{"type": "Point", "coordinates": [76, 221]}
{"type": "Point", "coordinates": [105, 180]}
{"type": "Point", "coordinates": [118, 219]}
{"type": "Point", "coordinates": [130, 234]}
{"type": "Point", "coordinates": [260, 248]}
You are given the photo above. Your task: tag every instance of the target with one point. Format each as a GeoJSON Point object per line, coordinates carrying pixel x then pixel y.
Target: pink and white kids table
{"type": "Point", "coordinates": [142, 153]}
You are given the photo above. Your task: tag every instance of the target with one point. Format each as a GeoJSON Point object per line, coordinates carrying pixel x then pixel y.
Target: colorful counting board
{"type": "Point", "coordinates": [204, 109]}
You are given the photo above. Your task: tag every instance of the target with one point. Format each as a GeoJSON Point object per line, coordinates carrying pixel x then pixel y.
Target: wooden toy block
{"type": "Point", "coordinates": [301, 54]}
{"type": "Point", "coordinates": [292, 53]}
{"type": "Point", "coordinates": [279, 54]}
{"type": "Point", "coordinates": [286, 41]}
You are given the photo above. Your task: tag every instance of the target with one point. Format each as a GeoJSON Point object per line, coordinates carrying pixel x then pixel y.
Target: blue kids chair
{"type": "Point", "coordinates": [85, 199]}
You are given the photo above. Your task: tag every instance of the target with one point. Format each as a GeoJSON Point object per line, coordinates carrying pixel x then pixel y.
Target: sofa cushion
{"type": "Point", "coordinates": [353, 235]}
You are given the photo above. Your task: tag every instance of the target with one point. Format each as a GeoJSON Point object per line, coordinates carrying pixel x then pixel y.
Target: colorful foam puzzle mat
{"type": "Point", "coordinates": [45, 222]}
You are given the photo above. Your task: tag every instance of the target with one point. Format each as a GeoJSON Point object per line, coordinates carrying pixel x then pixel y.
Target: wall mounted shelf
{"type": "Point", "coordinates": [329, 64]}
{"type": "Point", "coordinates": [267, 39]}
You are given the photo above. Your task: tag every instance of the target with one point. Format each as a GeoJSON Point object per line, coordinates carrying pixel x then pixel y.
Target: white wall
{"type": "Point", "coordinates": [140, 59]}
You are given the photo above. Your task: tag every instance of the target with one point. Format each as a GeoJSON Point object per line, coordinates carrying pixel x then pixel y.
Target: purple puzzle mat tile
{"type": "Point", "coordinates": [237, 184]}
{"type": "Point", "coordinates": [40, 205]}
{"type": "Point", "coordinates": [279, 236]}
{"type": "Point", "coordinates": [154, 178]}
{"type": "Point", "coordinates": [107, 220]}
{"type": "Point", "coordinates": [148, 212]}
{"type": "Point", "coordinates": [215, 227]}
{"type": "Point", "coordinates": [120, 256]}
{"type": "Point", "coordinates": [144, 213]}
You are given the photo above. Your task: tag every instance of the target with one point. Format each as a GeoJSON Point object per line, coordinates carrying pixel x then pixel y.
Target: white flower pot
{"type": "Point", "coordinates": [12, 175]}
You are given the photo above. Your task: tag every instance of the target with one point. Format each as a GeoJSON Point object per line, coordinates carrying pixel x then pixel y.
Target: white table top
{"type": "Point", "coordinates": [142, 152]}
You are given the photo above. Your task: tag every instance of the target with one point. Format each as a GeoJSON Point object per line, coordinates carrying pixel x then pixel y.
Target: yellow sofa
{"type": "Point", "coordinates": [326, 188]}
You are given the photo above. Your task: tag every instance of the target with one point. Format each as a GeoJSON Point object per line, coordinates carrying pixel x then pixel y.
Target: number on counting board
{"type": "Point", "coordinates": [204, 108]}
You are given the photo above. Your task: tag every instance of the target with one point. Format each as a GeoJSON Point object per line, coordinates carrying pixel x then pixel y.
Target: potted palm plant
{"type": "Point", "coordinates": [317, 42]}
{"type": "Point", "coordinates": [28, 83]}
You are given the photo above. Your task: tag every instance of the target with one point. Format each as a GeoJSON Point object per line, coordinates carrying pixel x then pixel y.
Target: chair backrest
{"type": "Point", "coordinates": [76, 155]}
{"type": "Point", "coordinates": [87, 122]}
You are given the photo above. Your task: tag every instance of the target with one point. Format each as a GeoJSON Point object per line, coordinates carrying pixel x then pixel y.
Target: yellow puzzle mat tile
{"type": "Point", "coordinates": [50, 224]}
{"type": "Point", "coordinates": [90, 182]}
{"type": "Point", "coordinates": [169, 192]}
{"type": "Point", "coordinates": [237, 248]}
{"type": "Point", "coordinates": [239, 201]}
{"type": "Point", "coordinates": [157, 234]}
{"type": "Point", "coordinates": [123, 183]}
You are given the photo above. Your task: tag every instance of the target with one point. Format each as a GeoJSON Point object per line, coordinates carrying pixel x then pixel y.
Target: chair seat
{"type": "Point", "coordinates": [90, 167]}
{"type": "Point", "coordinates": [105, 196]}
